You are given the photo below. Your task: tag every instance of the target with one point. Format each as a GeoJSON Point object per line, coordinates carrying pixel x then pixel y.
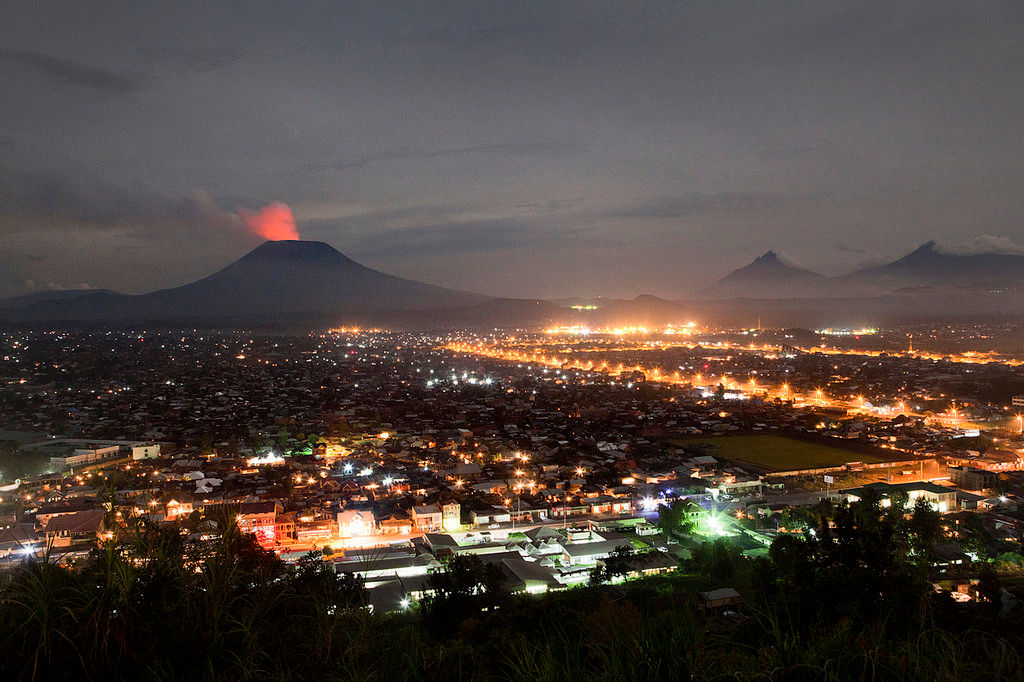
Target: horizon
{"type": "Point", "coordinates": [781, 258]}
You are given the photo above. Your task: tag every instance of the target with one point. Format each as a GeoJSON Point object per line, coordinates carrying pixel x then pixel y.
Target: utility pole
{"type": "Point", "coordinates": [565, 508]}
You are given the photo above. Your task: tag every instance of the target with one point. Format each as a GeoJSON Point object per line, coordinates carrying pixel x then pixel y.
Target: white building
{"type": "Point", "coordinates": [355, 523]}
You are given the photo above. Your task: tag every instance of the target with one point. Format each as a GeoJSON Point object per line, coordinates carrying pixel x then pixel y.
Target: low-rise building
{"type": "Point", "coordinates": [259, 518]}
{"type": "Point", "coordinates": [66, 529]}
{"type": "Point", "coordinates": [427, 517]}
{"type": "Point", "coordinates": [356, 523]}
{"type": "Point", "coordinates": [972, 478]}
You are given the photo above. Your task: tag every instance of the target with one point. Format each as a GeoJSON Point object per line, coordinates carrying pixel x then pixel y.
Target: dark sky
{"type": "Point", "coordinates": [544, 150]}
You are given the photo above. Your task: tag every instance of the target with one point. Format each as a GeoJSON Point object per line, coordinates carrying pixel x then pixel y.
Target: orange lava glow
{"type": "Point", "coordinates": [275, 222]}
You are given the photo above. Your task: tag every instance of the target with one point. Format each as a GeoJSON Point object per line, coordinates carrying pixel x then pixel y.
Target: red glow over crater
{"type": "Point", "coordinates": [274, 221]}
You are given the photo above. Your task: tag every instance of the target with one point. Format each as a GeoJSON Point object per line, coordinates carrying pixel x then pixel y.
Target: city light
{"type": "Point", "coordinates": [267, 459]}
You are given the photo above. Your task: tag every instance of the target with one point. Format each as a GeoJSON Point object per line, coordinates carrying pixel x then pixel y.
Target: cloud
{"type": "Point", "coordinates": [87, 202]}
{"type": "Point", "coordinates": [692, 204]}
{"type": "Point", "coordinates": [462, 38]}
{"type": "Point", "coordinates": [982, 244]}
{"type": "Point", "coordinates": [72, 72]}
{"type": "Point", "coordinates": [453, 237]}
{"type": "Point", "coordinates": [195, 59]}
{"type": "Point", "coordinates": [514, 148]}
{"type": "Point", "coordinates": [275, 221]}
{"type": "Point", "coordinates": [786, 259]}
{"type": "Point", "coordinates": [126, 238]}
{"type": "Point", "coordinates": [82, 203]}
{"type": "Point", "coordinates": [426, 231]}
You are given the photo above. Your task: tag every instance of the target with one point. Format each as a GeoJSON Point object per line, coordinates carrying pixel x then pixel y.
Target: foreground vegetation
{"type": "Point", "coordinates": [854, 602]}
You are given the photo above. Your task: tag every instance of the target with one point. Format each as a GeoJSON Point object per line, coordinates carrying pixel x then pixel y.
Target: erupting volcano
{"type": "Point", "coordinates": [275, 222]}
{"type": "Point", "coordinates": [277, 280]}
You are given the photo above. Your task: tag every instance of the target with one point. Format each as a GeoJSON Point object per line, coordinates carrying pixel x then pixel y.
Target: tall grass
{"type": "Point", "coordinates": [154, 606]}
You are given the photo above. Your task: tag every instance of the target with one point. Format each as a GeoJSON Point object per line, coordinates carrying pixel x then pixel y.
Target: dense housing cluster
{"type": "Point", "coordinates": [547, 457]}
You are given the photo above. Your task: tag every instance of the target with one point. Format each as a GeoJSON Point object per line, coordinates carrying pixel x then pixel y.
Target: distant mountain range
{"type": "Point", "coordinates": [308, 283]}
{"type": "Point", "coordinates": [279, 281]}
{"type": "Point", "coordinates": [926, 270]}
{"type": "Point", "coordinates": [767, 277]}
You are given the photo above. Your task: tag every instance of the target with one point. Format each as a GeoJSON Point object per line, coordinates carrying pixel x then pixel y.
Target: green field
{"type": "Point", "coordinates": [778, 453]}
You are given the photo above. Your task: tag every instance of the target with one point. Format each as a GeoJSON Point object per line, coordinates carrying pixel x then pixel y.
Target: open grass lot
{"type": "Point", "coordinates": [777, 453]}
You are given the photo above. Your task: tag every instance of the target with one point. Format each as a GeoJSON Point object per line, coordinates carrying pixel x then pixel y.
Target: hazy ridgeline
{"type": "Point", "coordinates": [854, 603]}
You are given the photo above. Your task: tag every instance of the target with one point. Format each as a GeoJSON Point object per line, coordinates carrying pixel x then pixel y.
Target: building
{"type": "Point", "coordinates": [451, 515]}
{"type": "Point", "coordinates": [395, 525]}
{"type": "Point", "coordinates": [18, 542]}
{"type": "Point", "coordinates": [721, 598]}
{"type": "Point", "coordinates": [81, 456]}
{"type": "Point", "coordinates": [284, 528]}
{"type": "Point", "coordinates": [375, 566]}
{"type": "Point", "coordinates": [942, 499]}
{"type": "Point", "coordinates": [355, 523]}
{"type": "Point", "coordinates": [259, 518]}
{"type": "Point", "coordinates": [144, 450]}
{"type": "Point", "coordinates": [66, 453]}
{"type": "Point", "coordinates": [972, 478]}
{"type": "Point", "coordinates": [1017, 401]}
{"type": "Point", "coordinates": [66, 529]}
{"type": "Point", "coordinates": [179, 507]}
{"type": "Point", "coordinates": [305, 530]}
{"type": "Point", "coordinates": [427, 517]}
{"type": "Point", "coordinates": [999, 460]}
{"type": "Point", "coordinates": [588, 553]}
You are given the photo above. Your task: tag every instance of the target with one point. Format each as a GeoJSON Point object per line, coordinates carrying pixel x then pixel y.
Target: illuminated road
{"type": "Point", "coordinates": [531, 351]}
{"type": "Point", "coordinates": [708, 383]}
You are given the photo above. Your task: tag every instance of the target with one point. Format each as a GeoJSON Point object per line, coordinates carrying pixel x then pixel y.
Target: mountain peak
{"type": "Point", "coordinates": [278, 280]}
{"type": "Point", "coordinates": [305, 251]}
{"type": "Point", "coordinates": [766, 276]}
{"type": "Point", "coordinates": [928, 248]}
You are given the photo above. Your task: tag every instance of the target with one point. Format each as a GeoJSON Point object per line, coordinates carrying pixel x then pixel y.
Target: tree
{"type": "Point", "coordinates": [719, 559]}
{"type": "Point", "coordinates": [621, 562]}
{"type": "Point", "coordinates": [898, 499]}
{"type": "Point", "coordinates": [673, 520]}
{"type": "Point", "coordinates": [463, 588]}
{"type": "Point", "coordinates": [791, 556]}
{"type": "Point", "coordinates": [974, 537]}
{"type": "Point", "coordinates": [990, 589]}
{"type": "Point", "coordinates": [794, 518]}
{"type": "Point", "coordinates": [315, 580]}
{"type": "Point", "coordinates": [925, 528]}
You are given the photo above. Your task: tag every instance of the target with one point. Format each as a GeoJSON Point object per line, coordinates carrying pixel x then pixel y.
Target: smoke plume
{"type": "Point", "coordinates": [274, 222]}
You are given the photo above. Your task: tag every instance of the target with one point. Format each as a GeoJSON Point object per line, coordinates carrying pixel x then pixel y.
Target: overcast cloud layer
{"type": "Point", "coordinates": [546, 150]}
